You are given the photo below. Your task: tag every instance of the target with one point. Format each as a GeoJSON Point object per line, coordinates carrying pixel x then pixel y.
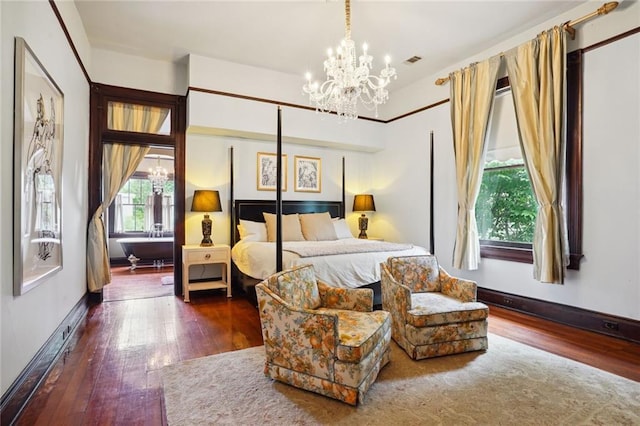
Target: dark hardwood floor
{"type": "Point", "coordinates": [110, 372]}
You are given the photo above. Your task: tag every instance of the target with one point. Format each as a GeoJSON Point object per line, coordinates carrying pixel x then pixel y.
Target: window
{"type": "Point", "coordinates": [506, 207]}
{"type": "Point", "coordinates": [522, 252]}
{"type": "Point", "coordinates": [138, 209]}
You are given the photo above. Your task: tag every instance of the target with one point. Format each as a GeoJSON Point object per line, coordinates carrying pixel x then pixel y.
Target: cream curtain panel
{"type": "Point", "coordinates": [119, 163]}
{"type": "Point", "coordinates": [537, 74]}
{"type": "Point", "coordinates": [472, 94]}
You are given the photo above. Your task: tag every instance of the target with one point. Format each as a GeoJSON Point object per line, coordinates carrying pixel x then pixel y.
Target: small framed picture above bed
{"type": "Point", "coordinates": [308, 174]}
{"type": "Point", "coordinates": [266, 171]}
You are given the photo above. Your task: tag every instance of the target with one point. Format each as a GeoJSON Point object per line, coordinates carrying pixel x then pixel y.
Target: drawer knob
{"type": "Point", "coordinates": [207, 256]}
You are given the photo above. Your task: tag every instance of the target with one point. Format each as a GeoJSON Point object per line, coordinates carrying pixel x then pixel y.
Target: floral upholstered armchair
{"type": "Point", "coordinates": [321, 338]}
{"type": "Point", "coordinates": [433, 313]}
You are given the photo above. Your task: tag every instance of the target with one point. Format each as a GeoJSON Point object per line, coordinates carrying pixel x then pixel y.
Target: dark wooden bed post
{"type": "Point", "coordinates": [343, 214]}
{"type": "Point", "coordinates": [232, 210]}
{"type": "Point", "coordinates": [279, 193]}
{"type": "Point", "coordinates": [432, 244]}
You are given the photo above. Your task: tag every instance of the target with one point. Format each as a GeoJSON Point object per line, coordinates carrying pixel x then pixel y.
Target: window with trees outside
{"type": "Point", "coordinates": [138, 209]}
{"type": "Point", "coordinates": [506, 207]}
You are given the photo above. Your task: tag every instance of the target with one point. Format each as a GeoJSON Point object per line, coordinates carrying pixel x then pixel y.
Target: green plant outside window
{"type": "Point", "coordinates": [506, 207]}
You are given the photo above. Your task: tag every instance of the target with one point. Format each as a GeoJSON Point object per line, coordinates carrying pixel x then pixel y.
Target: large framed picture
{"type": "Point", "coordinates": [37, 192]}
{"type": "Point", "coordinates": [308, 174]}
{"type": "Point", "coordinates": [266, 171]}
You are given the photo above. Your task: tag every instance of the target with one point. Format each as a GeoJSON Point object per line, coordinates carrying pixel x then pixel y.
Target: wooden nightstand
{"type": "Point", "coordinates": [197, 255]}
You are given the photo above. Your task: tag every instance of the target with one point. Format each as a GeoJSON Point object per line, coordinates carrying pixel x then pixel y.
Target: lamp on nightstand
{"type": "Point", "coordinates": [363, 203]}
{"type": "Point", "coordinates": [206, 201]}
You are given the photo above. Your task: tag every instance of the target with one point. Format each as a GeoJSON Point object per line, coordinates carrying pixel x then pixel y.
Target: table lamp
{"type": "Point", "coordinates": [206, 201]}
{"type": "Point", "coordinates": [363, 203]}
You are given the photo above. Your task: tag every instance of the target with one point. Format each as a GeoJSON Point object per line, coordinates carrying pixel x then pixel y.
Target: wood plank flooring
{"type": "Point", "coordinates": [110, 373]}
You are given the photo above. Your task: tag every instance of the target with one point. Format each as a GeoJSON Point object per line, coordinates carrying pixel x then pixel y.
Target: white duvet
{"type": "Point", "coordinates": [258, 260]}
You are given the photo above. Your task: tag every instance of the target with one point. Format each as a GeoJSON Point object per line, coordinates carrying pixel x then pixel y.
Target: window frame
{"type": "Point", "coordinates": [157, 213]}
{"type": "Point", "coordinates": [573, 179]}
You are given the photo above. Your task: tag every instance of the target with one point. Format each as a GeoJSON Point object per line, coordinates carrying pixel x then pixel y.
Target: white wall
{"type": "Point", "coordinates": [609, 278]}
{"type": "Point", "coordinates": [29, 320]}
{"type": "Point", "coordinates": [136, 72]}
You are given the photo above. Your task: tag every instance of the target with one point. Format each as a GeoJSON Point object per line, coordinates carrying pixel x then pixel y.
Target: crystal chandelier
{"type": "Point", "coordinates": [158, 177]}
{"type": "Point", "coordinates": [347, 81]}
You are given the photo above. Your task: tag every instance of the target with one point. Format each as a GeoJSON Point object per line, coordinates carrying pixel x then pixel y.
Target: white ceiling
{"type": "Point", "coordinates": [293, 36]}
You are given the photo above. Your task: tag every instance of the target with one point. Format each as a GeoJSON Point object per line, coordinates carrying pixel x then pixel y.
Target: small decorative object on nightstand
{"type": "Point", "coordinates": [198, 255]}
{"type": "Point", "coordinates": [363, 203]}
{"type": "Point", "coordinates": [206, 201]}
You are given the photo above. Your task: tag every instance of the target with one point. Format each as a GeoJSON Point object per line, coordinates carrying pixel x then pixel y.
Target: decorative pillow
{"type": "Point", "coordinates": [317, 227]}
{"type": "Point", "coordinates": [252, 231]}
{"type": "Point", "coordinates": [298, 287]}
{"type": "Point", "coordinates": [342, 229]}
{"type": "Point", "coordinates": [291, 230]}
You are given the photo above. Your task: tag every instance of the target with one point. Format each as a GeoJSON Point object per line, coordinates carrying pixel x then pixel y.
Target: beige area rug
{"type": "Point", "coordinates": [510, 384]}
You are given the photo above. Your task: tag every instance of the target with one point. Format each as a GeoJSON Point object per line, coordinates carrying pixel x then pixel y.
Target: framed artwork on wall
{"type": "Point", "coordinates": [308, 174]}
{"type": "Point", "coordinates": [266, 171]}
{"type": "Point", "coordinates": [37, 192]}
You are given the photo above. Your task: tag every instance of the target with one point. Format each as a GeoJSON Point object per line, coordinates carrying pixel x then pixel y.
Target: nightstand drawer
{"type": "Point", "coordinates": [206, 255]}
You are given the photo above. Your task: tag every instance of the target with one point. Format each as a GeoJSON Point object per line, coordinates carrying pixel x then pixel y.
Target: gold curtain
{"type": "Point", "coordinates": [537, 74]}
{"type": "Point", "coordinates": [472, 94]}
{"type": "Point", "coordinates": [119, 163]}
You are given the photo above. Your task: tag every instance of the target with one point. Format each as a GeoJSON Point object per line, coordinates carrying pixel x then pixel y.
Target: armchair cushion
{"type": "Point", "coordinates": [358, 334]}
{"type": "Point", "coordinates": [429, 309]}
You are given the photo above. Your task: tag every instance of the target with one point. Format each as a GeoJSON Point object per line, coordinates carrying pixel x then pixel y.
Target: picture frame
{"type": "Point", "coordinates": [37, 192]}
{"type": "Point", "coordinates": [308, 174]}
{"type": "Point", "coordinates": [266, 171]}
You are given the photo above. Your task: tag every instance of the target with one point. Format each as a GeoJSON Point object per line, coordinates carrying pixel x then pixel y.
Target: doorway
{"type": "Point", "coordinates": [140, 225]}
{"type": "Point", "coordinates": [127, 117]}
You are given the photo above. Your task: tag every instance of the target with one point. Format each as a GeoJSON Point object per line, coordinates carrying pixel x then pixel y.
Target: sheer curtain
{"type": "Point", "coordinates": [148, 214]}
{"type": "Point", "coordinates": [537, 74]}
{"type": "Point", "coordinates": [119, 163]}
{"type": "Point", "coordinates": [167, 213]}
{"type": "Point", "coordinates": [472, 93]}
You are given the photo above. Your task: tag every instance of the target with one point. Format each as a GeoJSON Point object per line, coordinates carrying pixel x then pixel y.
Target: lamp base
{"type": "Point", "coordinates": [206, 232]}
{"type": "Point", "coordinates": [363, 224]}
{"type": "Point", "coordinates": [206, 242]}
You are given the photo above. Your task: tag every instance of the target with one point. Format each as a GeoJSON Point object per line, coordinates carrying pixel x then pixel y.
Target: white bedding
{"type": "Point", "coordinates": [258, 260]}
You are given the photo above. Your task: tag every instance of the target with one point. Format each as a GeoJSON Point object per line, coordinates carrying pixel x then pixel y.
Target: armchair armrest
{"type": "Point", "coordinates": [396, 297]}
{"type": "Point", "coordinates": [352, 299]}
{"type": "Point", "coordinates": [461, 289]}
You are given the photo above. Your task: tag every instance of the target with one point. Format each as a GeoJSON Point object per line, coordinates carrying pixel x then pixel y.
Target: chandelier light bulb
{"type": "Point", "coordinates": [349, 80]}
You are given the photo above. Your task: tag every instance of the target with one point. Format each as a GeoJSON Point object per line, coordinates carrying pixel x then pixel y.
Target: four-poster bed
{"type": "Point", "coordinates": [343, 262]}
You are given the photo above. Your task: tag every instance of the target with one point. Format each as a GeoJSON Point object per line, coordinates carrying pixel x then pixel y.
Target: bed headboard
{"type": "Point", "coordinates": [253, 209]}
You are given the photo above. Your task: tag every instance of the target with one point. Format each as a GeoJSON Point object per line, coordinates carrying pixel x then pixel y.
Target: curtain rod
{"type": "Point", "coordinates": [568, 27]}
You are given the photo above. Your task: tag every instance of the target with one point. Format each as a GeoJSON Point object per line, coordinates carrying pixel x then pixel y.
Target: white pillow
{"type": "Point", "coordinates": [291, 230]}
{"type": "Point", "coordinates": [342, 229]}
{"type": "Point", "coordinates": [252, 231]}
{"type": "Point", "coordinates": [317, 227]}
